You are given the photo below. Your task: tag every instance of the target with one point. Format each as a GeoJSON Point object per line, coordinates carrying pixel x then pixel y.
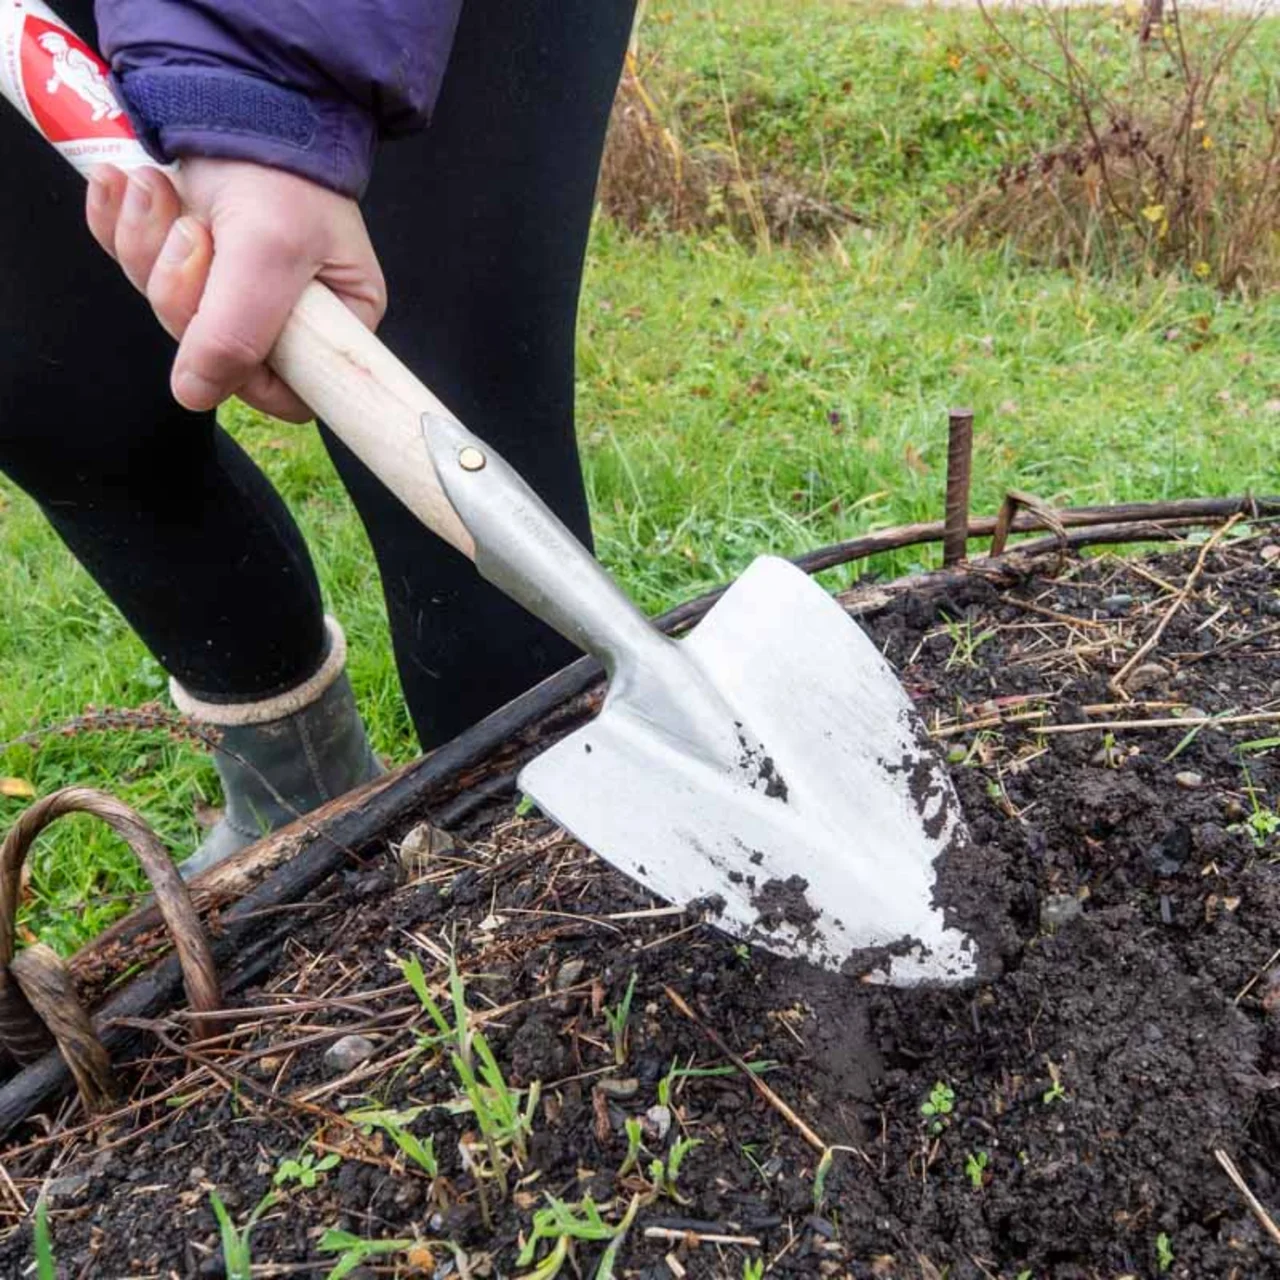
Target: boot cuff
{"type": "Point", "coordinates": [227, 715]}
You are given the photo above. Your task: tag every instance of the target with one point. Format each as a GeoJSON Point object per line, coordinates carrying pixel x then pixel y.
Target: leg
{"type": "Point", "coordinates": [482, 225]}
{"type": "Point", "coordinates": [179, 528]}
{"type": "Point", "coordinates": [176, 524]}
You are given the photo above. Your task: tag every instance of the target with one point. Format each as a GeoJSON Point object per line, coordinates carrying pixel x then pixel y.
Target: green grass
{"type": "Point", "coordinates": [895, 112]}
{"type": "Point", "coordinates": [730, 403]}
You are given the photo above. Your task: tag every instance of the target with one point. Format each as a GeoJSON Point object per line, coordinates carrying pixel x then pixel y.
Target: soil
{"type": "Point", "coordinates": [1060, 1118]}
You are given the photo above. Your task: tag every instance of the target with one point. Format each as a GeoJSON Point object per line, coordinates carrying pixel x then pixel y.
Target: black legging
{"type": "Point", "coordinates": [481, 225]}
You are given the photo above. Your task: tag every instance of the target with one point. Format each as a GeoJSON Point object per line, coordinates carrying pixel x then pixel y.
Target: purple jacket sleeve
{"type": "Point", "coordinates": [303, 85]}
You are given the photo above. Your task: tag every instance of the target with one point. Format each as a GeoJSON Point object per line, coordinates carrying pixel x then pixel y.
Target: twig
{"type": "Point", "coordinates": [988, 722]}
{"type": "Point", "coordinates": [1187, 722]}
{"type": "Point", "coordinates": [696, 1238]}
{"type": "Point", "coordinates": [1068, 619]}
{"type": "Point", "coordinates": [759, 1085]}
{"type": "Point", "coordinates": [1257, 977]}
{"type": "Point", "coordinates": [1229, 1168]}
{"type": "Point", "coordinates": [1117, 681]}
{"type": "Point", "coordinates": [1227, 645]}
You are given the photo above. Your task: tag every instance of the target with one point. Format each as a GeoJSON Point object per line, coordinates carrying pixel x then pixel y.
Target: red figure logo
{"type": "Point", "coordinates": [66, 85]}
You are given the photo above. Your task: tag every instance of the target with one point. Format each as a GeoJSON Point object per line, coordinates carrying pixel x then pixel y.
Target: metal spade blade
{"type": "Point", "coordinates": [771, 764]}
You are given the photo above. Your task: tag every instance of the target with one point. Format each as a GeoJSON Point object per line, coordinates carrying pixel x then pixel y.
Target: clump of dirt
{"type": "Point", "coordinates": [784, 902]}
{"type": "Point", "coordinates": [1059, 1119]}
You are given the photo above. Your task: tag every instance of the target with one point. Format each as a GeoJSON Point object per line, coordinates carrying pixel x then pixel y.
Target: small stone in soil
{"type": "Point", "coordinates": [423, 844]}
{"type": "Point", "coordinates": [69, 1187]}
{"type": "Point", "coordinates": [612, 1087]}
{"type": "Point", "coordinates": [1059, 908]}
{"type": "Point", "coordinates": [1150, 673]}
{"type": "Point", "coordinates": [659, 1121]}
{"type": "Point", "coordinates": [348, 1053]}
{"type": "Point", "coordinates": [569, 973]}
{"type": "Point", "coordinates": [1188, 780]}
{"type": "Point", "coordinates": [1167, 858]}
{"type": "Point", "coordinates": [1118, 605]}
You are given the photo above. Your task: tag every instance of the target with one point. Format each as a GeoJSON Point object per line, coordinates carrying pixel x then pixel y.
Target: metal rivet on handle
{"type": "Point", "coordinates": [471, 459]}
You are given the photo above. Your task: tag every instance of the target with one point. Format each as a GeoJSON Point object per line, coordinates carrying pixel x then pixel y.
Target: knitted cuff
{"type": "Point", "coordinates": [234, 714]}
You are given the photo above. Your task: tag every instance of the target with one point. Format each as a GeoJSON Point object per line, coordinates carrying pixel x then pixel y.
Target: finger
{"type": "Point", "coordinates": [255, 279]}
{"type": "Point", "coordinates": [266, 392]}
{"type": "Point", "coordinates": [102, 205]}
{"type": "Point", "coordinates": [179, 275]}
{"type": "Point", "coordinates": [147, 213]}
{"type": "Point", "coordinates": [361, 285]}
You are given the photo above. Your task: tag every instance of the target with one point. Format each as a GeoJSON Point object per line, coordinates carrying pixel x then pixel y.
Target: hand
{"type": "Point", "coordinates": [223, 276]}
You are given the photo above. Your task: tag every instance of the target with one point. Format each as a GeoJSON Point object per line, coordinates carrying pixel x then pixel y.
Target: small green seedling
{"type": "Point", "coordinates": [45, 1267]}
{"type": "Point", "coordinates": [1111, 754]}
{"type": "Point", "coordinates": [938, 1106]}
{"type": "Point", "coordinates": [753, 1269]}
{"type": "Point", "coordinates": [820, 1179]}
{"type": "Point", "coordinates": [1262, 823]}
{"type": "Point", "coordinates": [634, 1146]}
{"type": "Point", "coordinates": [305, 1170]}
{"type": "Point", "coordinates": [504, 1125]}
{"type": "Point", "coordinates": [356, 1251]}
{"type": "Point", "coordinates": [666, 1086]}
{"type": "Point", "coordinates": [618, 1018]}
{"type": "Point", "coordinates": [1164, 1252]}
{"type": "Point", "coordinates": [820, 1175]}
{"type": "Point", "coordinates": [526, 806]}
{"type": "Point", "coordinates": [395, 1124]}
{"type": "Point", "coordinates": [237, 1255]}
{"type": "Point", "coordinates": [965, 644]}
{"type": "Point", "coordinates": [975, 1168]}
{"type": "Point", "coordinates": [565, 1223]}
{"type": "Point", "coordinates": [749, 1151]}
{"type": "Point", "coordinates": [665, 1174]}
{"type": "Point", "coordinates": [1055, 1092]}
{"type": "Point", "coordinates": [609, 1259]}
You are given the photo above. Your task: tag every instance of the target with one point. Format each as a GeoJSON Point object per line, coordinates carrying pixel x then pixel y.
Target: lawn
{"type": "Point", "coordinates": [735, 400]}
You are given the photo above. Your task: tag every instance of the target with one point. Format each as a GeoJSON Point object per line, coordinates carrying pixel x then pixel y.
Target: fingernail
{"type": "Point", "coordinates": [137, 201]}
{"type": "Point", "coordinates": [97, 192]}
{"type": "Point", "coordinates": [178, 244]}
{"type": "Point", "coordinates": [194, 391]}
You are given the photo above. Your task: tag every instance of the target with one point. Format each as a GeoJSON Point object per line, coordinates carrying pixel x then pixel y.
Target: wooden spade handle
{"type": "Point", "coordinates": [371, 401]}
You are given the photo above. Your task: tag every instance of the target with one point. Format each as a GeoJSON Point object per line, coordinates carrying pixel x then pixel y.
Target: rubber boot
{"type": "Point", "coordinates": [283, 756]}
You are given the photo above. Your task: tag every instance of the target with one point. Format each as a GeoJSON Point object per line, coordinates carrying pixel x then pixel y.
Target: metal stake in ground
{"type": "Point", "coordinates": [959, 474]}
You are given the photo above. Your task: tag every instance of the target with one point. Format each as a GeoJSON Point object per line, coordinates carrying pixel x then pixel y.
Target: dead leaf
{"type": "Point", "coordinates": [420, 1260]}
{"type": "Point", "coordinates": [16, 788]}
{"type": "Point", "coordinates": [207, 815]}
{"type": "Point", "coordinates": [911, 456]}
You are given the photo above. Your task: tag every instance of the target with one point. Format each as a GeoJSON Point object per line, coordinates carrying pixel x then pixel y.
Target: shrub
{"type": "Point", "coordinates": [1170, 147]}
